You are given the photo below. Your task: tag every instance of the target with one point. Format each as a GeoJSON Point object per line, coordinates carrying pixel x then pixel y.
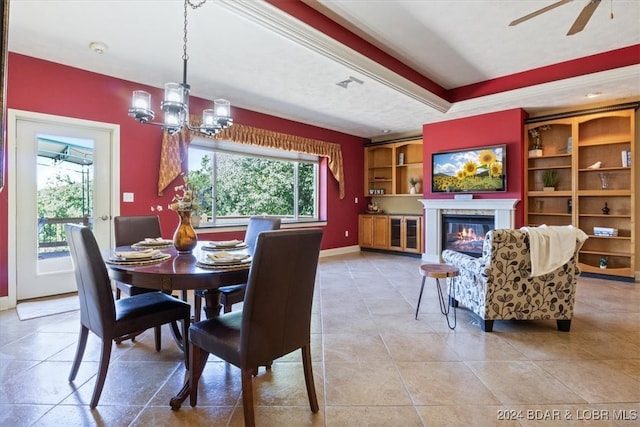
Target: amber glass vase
{"type": "Point", "coordinates": [185, 237]}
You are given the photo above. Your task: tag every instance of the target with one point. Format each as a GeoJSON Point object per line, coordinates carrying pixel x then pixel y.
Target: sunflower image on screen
{"type": "Point", "coordinates": [473, 170]}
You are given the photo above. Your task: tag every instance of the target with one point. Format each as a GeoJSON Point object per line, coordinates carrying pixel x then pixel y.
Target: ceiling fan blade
{"type": "Point", "coordinates": [583, 18]}
{"type": "Point", "coordinates": [538, 12]}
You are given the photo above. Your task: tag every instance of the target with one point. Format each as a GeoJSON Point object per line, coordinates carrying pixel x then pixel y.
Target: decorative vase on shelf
{"type": "Point", "coordinates": [604, 180]}
{"type": "Point", "coordinates": [412, 190]}
{"type": "Point", "coordinates": [185, 237]}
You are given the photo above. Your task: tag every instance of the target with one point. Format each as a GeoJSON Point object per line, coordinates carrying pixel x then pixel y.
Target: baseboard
{"type": "Point", "coordinates": [339, 251]}
{"type": "Point", "coordinates": [389, 252]}
{"type": "Point", "coordinates": [611, 277]}
{"type": "Point", "coordinates": [6, 303]}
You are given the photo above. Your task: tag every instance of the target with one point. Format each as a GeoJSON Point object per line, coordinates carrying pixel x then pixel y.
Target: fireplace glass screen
{"type": "Point", "coordinates": [465, 233]}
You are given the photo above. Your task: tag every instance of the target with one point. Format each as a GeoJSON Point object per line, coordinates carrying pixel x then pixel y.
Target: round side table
{"type": "Point", "coordinates": [439, 271]}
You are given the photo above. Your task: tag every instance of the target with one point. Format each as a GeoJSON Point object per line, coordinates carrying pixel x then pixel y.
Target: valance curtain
{"type": "Point", "coordinates": [174, 149]}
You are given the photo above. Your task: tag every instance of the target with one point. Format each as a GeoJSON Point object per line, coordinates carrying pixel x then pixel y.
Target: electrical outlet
{"type": "Point", "coordinates": [127, 197]}
{"type": "Point", "coordinates": [346, 233]}
{"type": "Point", "coordinates": [356, 201]}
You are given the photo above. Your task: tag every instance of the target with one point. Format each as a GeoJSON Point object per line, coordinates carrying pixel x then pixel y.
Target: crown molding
{"type": "Point", "coordinates": [274, 19]}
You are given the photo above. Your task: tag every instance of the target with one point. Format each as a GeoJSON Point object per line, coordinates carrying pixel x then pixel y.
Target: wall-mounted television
{"type": "Point", "coordinates": [472, 170]}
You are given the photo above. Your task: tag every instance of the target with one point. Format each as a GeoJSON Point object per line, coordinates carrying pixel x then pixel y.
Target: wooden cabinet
{"type": "Point", "coordinates": [391, 232]}
{"type": "Point", "coordinates": [389, 166]}
{"type": "Point", "coordinates": [405, 233]}
{"type": "Point", "coordinates": [373, 231]}
{"type": "Point", "coordinates": [596, 188]}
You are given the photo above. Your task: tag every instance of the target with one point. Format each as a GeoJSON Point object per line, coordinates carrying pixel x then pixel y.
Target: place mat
{"type": "Point", "coordinates": [158, 258]}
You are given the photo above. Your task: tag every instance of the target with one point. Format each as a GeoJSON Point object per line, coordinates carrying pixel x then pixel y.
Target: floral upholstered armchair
{"type": "Point", "coordinates": [498, 285]}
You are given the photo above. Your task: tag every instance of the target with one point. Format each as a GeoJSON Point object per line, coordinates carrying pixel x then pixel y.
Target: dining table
{"type": "Point", "coordinates": [173, 271]}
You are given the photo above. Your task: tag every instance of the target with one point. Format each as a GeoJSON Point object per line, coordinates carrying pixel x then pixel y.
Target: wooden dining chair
{"type": "Point", "coordinates": [275, 319]}
{"type": "Point", "coordinates": [234, 294]}
{"type": "Point", "coordinates": [127, 231]}
{"type": "Point", "coordinates": [109, 318]}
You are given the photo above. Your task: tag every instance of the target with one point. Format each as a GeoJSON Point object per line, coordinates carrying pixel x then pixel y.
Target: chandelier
{"type": "Point", "coordinates": [176, 101]}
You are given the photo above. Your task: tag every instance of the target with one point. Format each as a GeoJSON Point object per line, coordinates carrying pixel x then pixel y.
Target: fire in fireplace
{"type": "Point", "coordinates": [465, 233]}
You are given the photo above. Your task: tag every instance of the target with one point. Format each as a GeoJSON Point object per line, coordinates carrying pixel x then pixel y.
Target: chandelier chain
{"type": "Point", "coordinates": [176, 100]}
{"type": "Point", "coordinates": [185, 56]}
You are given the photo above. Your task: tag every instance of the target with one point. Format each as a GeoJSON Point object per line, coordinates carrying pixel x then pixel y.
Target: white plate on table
{"type": "Point", "coordinates": [225, 244]}
{"type": "Point", "coordinates": [153, 242]}
{"type": "Point", "coordinates": [223, 258]}
{"type": "Point", "coordinates": [136, 255]}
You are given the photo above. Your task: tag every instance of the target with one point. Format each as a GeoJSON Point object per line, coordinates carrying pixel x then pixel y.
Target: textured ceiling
{"type": "Point", "coordinates": [263, 59]}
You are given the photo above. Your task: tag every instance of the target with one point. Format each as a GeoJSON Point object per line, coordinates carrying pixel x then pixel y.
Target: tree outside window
{"type": "Point", "coordinates": [233, 186]}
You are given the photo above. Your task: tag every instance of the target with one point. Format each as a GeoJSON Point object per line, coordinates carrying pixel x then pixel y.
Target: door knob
{"type": "Point", "coordinates": [104, 217]}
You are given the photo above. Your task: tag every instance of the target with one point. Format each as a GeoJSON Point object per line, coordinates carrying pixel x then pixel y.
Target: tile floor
{"type": "Point", "coordinates": [374, 364]}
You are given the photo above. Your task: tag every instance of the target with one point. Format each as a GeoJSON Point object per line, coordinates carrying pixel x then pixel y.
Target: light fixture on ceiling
{"type": "Point", "coordinates": [345, 83]}
{"type": "Point", "coordinates": [98, 47]}
{"type": "Point", "coordinates": [176, 101]}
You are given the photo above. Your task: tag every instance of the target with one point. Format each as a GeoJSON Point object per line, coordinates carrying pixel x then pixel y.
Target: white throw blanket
{"type": "Point", "coordinates": [552, 246]}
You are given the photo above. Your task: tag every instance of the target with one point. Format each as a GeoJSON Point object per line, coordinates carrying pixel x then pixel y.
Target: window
{"type": "Point", "coordinates": [235, 181]}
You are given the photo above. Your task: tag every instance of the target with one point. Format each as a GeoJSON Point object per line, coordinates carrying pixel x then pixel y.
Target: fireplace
{"type": "Point", "coordinates": [465, 233]}
{"type": "Point", "coordinates": [503, 211]}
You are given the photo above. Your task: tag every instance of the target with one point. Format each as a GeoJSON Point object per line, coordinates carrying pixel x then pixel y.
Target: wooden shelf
{"type": "Point", "coordinates": [604, 193]}
{"type": "Point", "coordinates": [607, 253]}
{"type": "Point", "coordinates": [624, 272]}
{"type": "Point", "coordinates": [593, 236]}
{"type": "Point", "coordinates": [540, 168]}
{"type": "Point", "coordinates": [615, 168]}
{"type": "Point", "coordinates": [397, 162]}
{"type": "Point", "coordinates": [550, 214]}
{"type": "Point", "coordinates": [587, 215]}
{"type": "Point", "coordinates": [599, 137]}
{"type": "Point", "coordinates": [550, 193]}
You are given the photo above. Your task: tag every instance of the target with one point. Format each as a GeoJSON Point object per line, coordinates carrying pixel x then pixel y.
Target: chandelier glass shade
{"type": "Point", "coordinates": [176, 102]}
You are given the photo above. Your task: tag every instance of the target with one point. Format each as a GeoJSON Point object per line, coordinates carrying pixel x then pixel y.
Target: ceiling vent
{"type": "Point", "coordinates": [345, 83]}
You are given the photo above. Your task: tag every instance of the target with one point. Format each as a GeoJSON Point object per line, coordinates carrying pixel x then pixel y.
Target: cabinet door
{"type": "Point", "coordinates": [380, 231]}
{"type": "Point", "coordinates": [365, 231]}
{"type": "Point", "coordinates": [413, 234]}
{"type": "Point", "coordinates": [396, 233]}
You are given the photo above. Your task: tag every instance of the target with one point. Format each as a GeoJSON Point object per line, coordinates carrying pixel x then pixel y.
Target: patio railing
{"type": "Point", "coordinates": [51, 237]}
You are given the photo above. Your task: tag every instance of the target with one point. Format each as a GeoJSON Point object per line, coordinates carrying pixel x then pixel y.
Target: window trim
{"type": "Point", "coordinates": [239, 149]}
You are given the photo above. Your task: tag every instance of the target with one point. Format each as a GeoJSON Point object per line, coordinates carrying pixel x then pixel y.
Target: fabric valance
{"type": "Point", "coordinates": [174, 150]}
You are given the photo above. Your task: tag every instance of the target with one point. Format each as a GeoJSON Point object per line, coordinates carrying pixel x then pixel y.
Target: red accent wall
{"type": "Point", "coordinates": [46, 87]}
{"type": "Point", "coordinates": [504, 127]}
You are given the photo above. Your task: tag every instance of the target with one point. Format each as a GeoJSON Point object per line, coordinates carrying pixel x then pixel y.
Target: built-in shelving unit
{"type": "Point", "coordinates": [596, 187]}
{"type": "Point", "coordinates": [389, 166]}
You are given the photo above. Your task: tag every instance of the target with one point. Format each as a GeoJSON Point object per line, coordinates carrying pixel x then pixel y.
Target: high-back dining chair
{"type": "Point", "coordinates": [127, 231]}
{"type": "Point", "coordinates": [109, 318]}
{"type": "Point", "coordinates": [234, 294]}
{"type": "Point", "coordinates": [275, 319]}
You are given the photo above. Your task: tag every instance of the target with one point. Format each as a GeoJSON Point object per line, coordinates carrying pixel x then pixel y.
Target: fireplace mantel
{"type": "Point", "coordinates": [503, 211]}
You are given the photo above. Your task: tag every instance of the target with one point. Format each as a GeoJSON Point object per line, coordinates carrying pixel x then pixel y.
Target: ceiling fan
{"type": "Point", "coordinates": [579, 23]}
